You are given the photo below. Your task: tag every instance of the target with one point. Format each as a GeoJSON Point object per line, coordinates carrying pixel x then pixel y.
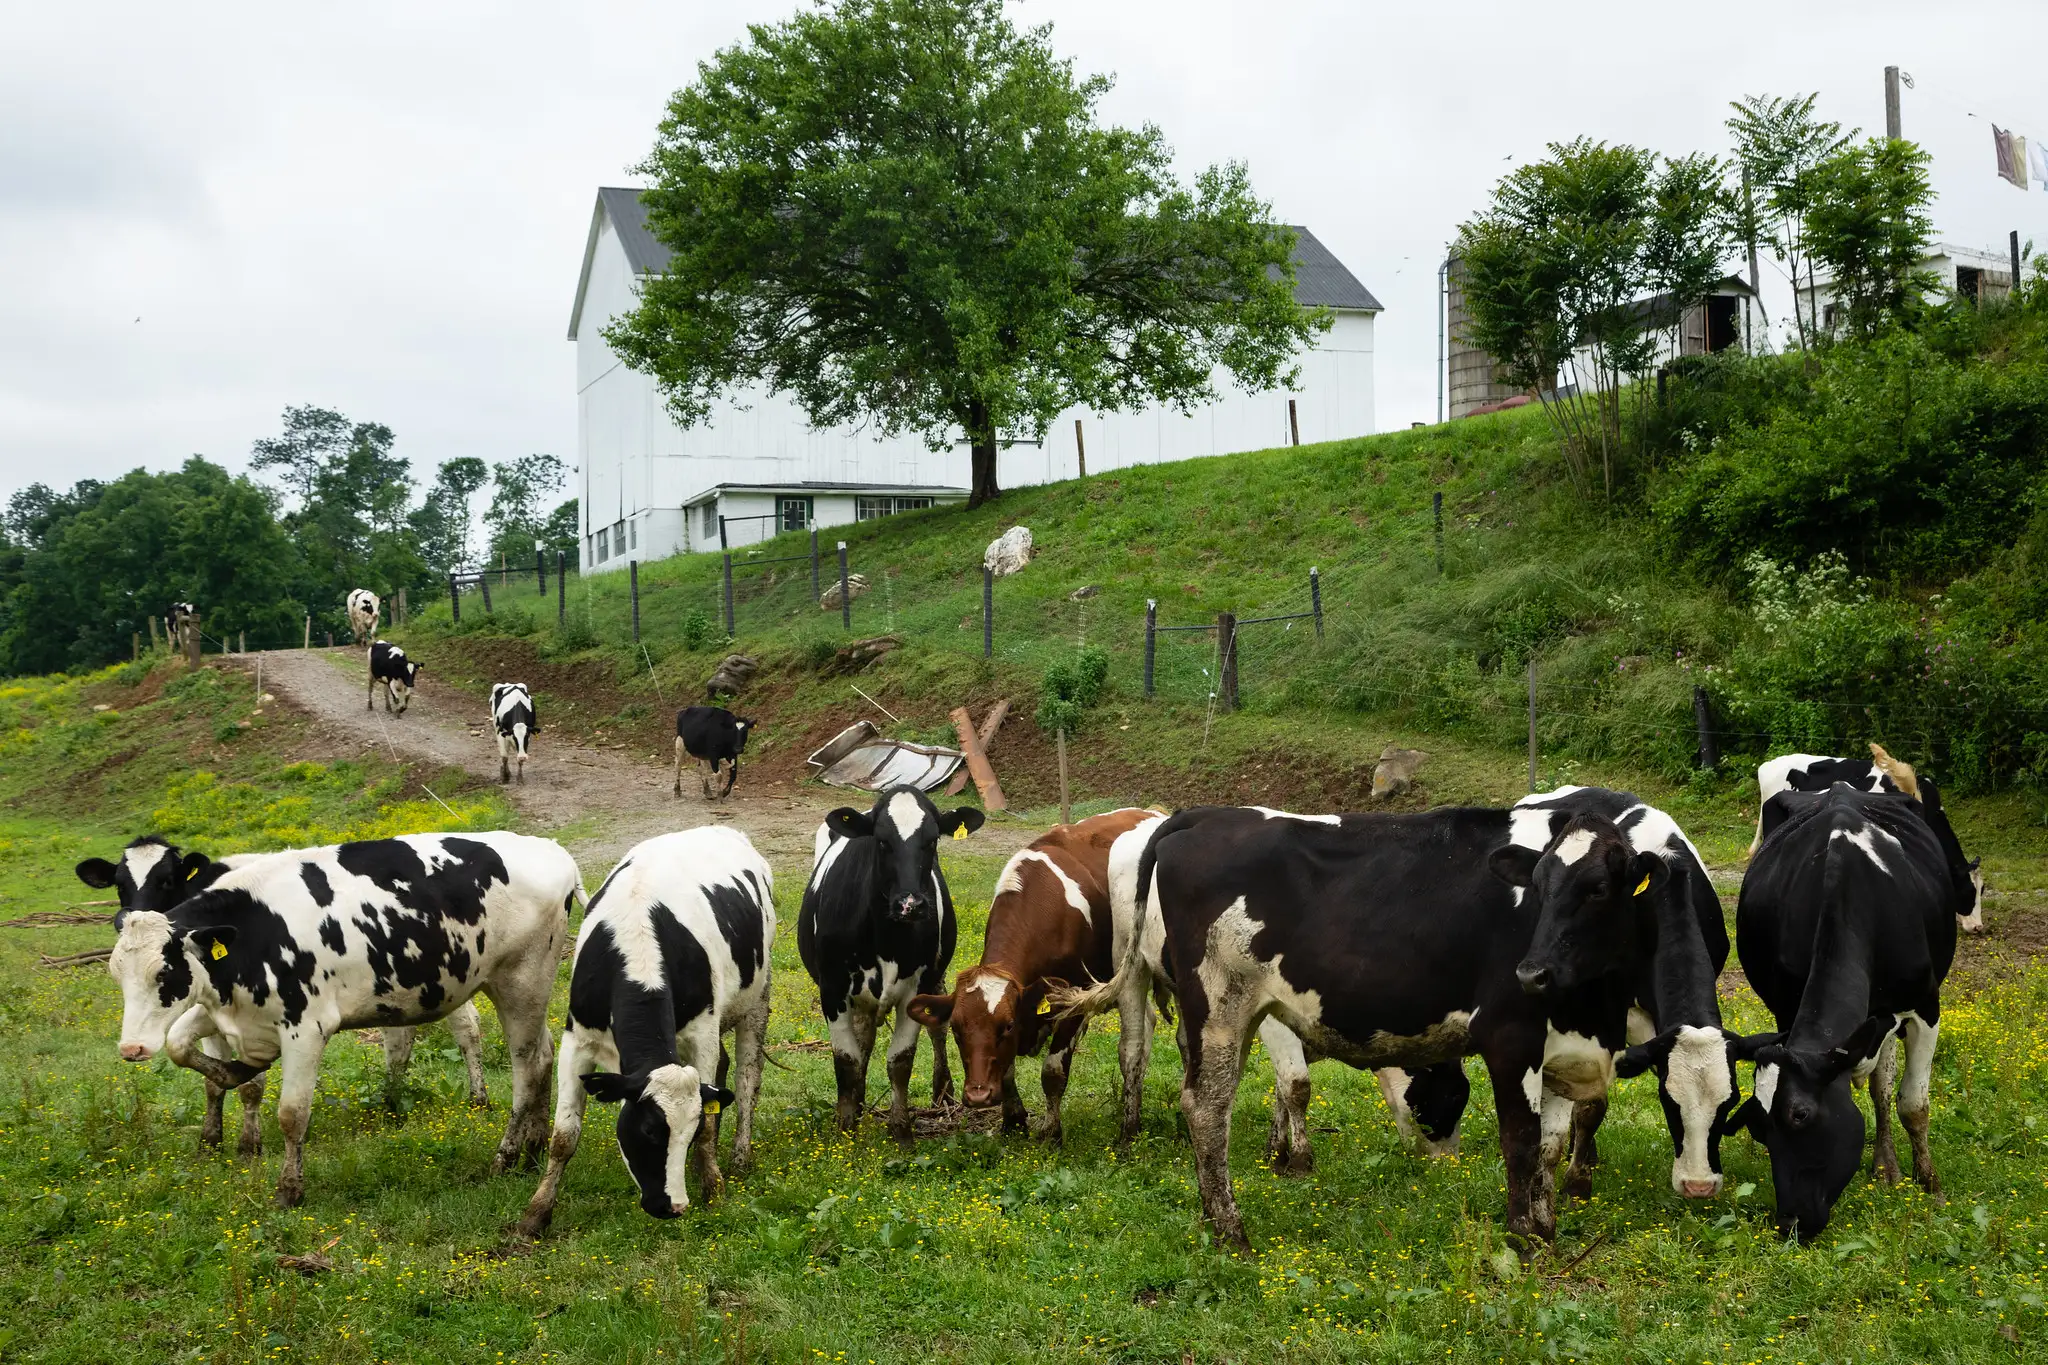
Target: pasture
{"type": "Point", "coordinates": [120, 1240]}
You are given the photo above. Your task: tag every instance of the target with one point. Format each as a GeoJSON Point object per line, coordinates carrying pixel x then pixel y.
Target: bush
{"type": "Point", "coordinates": [1070, 687]}
{"type": "Point", "coordinates": [697, 631]}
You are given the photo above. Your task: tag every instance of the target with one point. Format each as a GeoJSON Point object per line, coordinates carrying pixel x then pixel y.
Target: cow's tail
{"type": "Point", "coordinates": [1083, 1001]}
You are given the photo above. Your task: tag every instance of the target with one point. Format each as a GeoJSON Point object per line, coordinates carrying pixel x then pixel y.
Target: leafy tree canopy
{"type": "Point", "coordinates": [904, 212]}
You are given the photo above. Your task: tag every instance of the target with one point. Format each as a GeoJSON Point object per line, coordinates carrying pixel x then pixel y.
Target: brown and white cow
{"type": "Point", "coordinates": [1049, 925]}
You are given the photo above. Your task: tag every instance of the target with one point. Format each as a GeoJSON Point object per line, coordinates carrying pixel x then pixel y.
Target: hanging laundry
{"type": "Point", "coordinates": [2019, 160]}
{"type": "Point", "coordinates": [2002, 142]}
{"type": "Point", "coordinates": [2037, 162]}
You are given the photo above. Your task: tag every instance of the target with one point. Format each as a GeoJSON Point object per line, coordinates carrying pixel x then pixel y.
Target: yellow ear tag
{"type": "Point", "coordinates": [1044, 1008]}
{"type": "Point", "coordinates": [220, 950]}
{"type": "Point", "coordinates": [1645, 886]}
{"type": "Point", "coordinates": [190, 875]}
{"type": "Point", "coordinates": [711, 1106]}
{"type": "Point", "coordinates": [959, 831]}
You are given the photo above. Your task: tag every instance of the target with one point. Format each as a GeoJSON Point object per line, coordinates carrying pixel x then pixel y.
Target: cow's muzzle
{"type": "Point", "coordinates": [136, 1052]}
{"type": "Point", "coordinates": [1535, 978]}
{"type": "Point", "coordinates": [1700, 1189]}
{"type": "Point", "coordinates": [979, 1096]}
{"type": "Point", "coordinates": [909, 907]}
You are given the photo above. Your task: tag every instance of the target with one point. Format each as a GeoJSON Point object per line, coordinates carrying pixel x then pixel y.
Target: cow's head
{"type": "Point", "coordinates": [1697, 1086]}
{"type": "Point", "coordinates": [992, 1021]}
{"type": "Point", "coordinates": [659, 1114]}
{"type": "Point", "coordinates": [740, 727]}
{"type": "Point", "coordinates": [151, 875]}
{"type": "Point", "coordinates": [161, 968]}
{"type": "Point", "coordinates": [906, 828]}
{"type": "Point", "coordinates": [1804, 1114]}
{"type": "Point", "coordinates": [1585, 886]}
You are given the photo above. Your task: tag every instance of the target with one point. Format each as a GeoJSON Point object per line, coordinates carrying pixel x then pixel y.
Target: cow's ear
{"type": "Point", "coordinates": [1863, 1043]}
{"type": "Point", "coordinates": [1643, 1056]}
{"type": "Point", "coordinates": [1514, 864]}
{"type": "Point", "coordinates": [213, 941]}
{"type": "Point", "coordinates": [96, 872]}
{"type": "Point", "coordinates": [848, 823]}
{"type": "Point", "coordinates": [1753, 1116]}
{"type": "Point", "coordinates": [608, 1087]}
{"type": "Point", "coordinates": [191, 865]}
{"type": "Point", "coordinates": [933, 1011]}
{"type": "Point", "coordinates": [1649, 874]}
{"type": "Point", "coordinates": [715, 1095]}
{"type": "Point", "coordinates": [962, 822]}
{"type": "Point", "coordinates": [1747, 1048]}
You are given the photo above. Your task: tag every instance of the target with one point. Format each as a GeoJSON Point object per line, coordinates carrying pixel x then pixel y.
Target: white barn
{"type": "Point", "coordinates": [648, 488]}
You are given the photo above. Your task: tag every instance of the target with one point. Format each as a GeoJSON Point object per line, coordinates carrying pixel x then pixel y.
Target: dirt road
{"type": "Point", "coordinates": [598, 802]}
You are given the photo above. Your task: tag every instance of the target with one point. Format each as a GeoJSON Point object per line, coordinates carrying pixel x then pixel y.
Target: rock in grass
{"type": "Point", "coordinates": [1395, 772]}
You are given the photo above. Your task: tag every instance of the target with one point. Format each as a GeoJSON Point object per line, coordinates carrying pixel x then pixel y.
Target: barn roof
{"type": "Point", "coordinates": [1320, 279]}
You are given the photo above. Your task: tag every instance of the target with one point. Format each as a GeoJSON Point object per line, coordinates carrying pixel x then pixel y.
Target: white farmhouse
{"type": "Point", "coordinates": [649, 488]}
{"type": "Point", "coordinates": [1971, 273]}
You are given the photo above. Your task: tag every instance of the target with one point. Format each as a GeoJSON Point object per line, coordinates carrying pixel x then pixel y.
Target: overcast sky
{"type": "Point", "coordinates": [381, 207]}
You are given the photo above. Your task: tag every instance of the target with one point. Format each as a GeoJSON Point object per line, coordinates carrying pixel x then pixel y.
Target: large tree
{"type": "Point", "coordinates": [904, 212]}
{"type": "Point", "coordinates": [1779, 146]}
{"type": "Point", "coordinates": [1869, 225]}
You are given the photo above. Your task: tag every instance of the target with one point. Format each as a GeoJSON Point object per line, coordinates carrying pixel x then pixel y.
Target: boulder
{"type": "Point", "coordinates": [856, 584]}
{"type": "Point", "coordinates": [1009, 552]}
{"type": "Point", "coordinates": [1395, 772]}
{"type": "Point", "coordinates": [734, 672]}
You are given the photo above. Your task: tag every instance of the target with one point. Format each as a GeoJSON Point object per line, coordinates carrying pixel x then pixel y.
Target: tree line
{"type": "Point", "coordinates": [83, 570]}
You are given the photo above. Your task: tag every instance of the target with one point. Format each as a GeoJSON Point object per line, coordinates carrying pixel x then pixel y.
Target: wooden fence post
{"type": "Point", "coordinates": [633, 575]}
{"type": "Point", "coordinates": [242, 642]}
{"type": "Point", "coordinates": [455, 599]}
{"type": "Point", "coordinates": [401, 606]}
{"type": "Point", "coordinates": [1066, 806]}
{"type": "Point", "coordinates": [1703, 717]}
{"type": "Point", "coordinates": [308, 642]}
{"type": "Point", "coordinates": [561, 588]}
{"type": "Point", "coordinates": [817, 588]}
{"type": "Point", "coordinates": [152, 633]}
{"type": "Point", "coordinates": [1151, 639]}
{"type": "Point", "coordinates": [540, 569]}
{"type": "Point", "coordinates": [1226, 655]}
{"type": "Point", "coordinates": [1315, 599]}
{"type": "Point", "coordinates": [1532, 720]}
{"type": "Point", "coordinates": [135, 644]}
{"type": "Point", "coordinates": [190, 629]}
{"type": "Point", "coordinates": [1080, 448]}
{"type": "Point", "coordinates": [988, 612]}
{"type": "Point", "coordinates": [977, 761]}
{"type": "Point", "coordinates": [726, 555]}
{"type": "Point", "coordinates": [1293, 424]}
{"type": "Point", "coordinates": [845, 593]}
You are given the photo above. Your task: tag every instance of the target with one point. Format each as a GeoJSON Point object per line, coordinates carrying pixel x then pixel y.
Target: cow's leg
{"type": "Point", "coordinates": [1914, 1106]}
{"type": "Point", "coordinates": [1586, 1119]}
{"type": "Point", "coordinates": [371, 704]}
{"type": "Point", "coordinates": [1557, 1126]}
{"type": "Point", "coordinates": [579, 1054]}
{"type": "Point", "coordinates": [1883, 1079]}
{"type": "Point", "coordinates": [250, 1140]}
{"type": "Point", "coordinates": [902, 1056]}
{"type": "Point", "coordinates": [732, 775]}
{"type": "Point", "coordinates": [522, 1005]}
{"type": "Point", "coordinates": [1133, 1049]}
{"type": "Point", "coordinates": [467, 1028]}
{"type": "Point", "coordinates": [853, 1041]}
{"type": "Point", "coordinates": [1517, 1075]}
{"type": "Point", "coordinates": [211, 1130]}
{"type": "Point", "coordinates": [1215, 1058]}
{"type": "Point", "coordinates": [299, 1067]}
{"type": "Point", "coordinates": [679, 765]}
{"type": "Point", "coordinates": [397, 1058]}
{"type": "Point", "coordinates": [1052, 1076]}
{"type": "Point", "coordinates": [749, 1037]}
{"type": "Point", "coordinates": [707, 775]}
{"type": "Point", "coordinates": [701, 1046]}
{"type": "Point", "coordinates": [1287, 1146]}
{"type": "Point", "coordinates": [504, 758]}
{"type": "Point", "coordinates": [942, 1067]}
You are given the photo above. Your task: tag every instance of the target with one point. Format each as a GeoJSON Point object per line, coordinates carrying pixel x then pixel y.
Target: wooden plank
{"type": "Point", "coordinates": [984, 776]}
{"type": "Point", "coordinates": [990, 723]}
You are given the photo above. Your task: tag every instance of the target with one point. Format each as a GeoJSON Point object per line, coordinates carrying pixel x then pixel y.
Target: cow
{"type": "Point", "coordinates": [280, 954]}
{"type": "Point", "coordinates": [155, 875]}
{"type": "Point", "coordinates": [363, 609]}
{"type": "Point", "coordinates": [672, 955]}
{"type": "Point", "coordinates": [174, 623]}
{"type": "Point", "coordinates": [713, 736]}
{"type": "Point", "coordinates": [1399, 940]}
{"type": "Point", "coordinates": [512, 718]}
{"type": "Point", "coordinates": [1050, 923]}
{"type": "Point", "coordinates": [1879, 772]}
{"type": "Point", "coordinates": [1846, 928]}
{"type": "Point", "coordinates": [876, 929]}
{"type": "Point", "coordinates": [399, 675]}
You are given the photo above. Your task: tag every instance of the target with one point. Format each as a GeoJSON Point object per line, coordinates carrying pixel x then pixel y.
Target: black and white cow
{"type": "Point", "coordinates": [877, 929]}
{"type": "Point", "coordinates": [280, 954]}
{"type": "Point", "coordinates": [1846, 929]}
{"type": "Point", "coordinates": [174, 623]}
{"type": "Point", "coordinates": [672, 955]}
{"type": "Point", "coordinates": [512, 718]}
{"type": "Point", "coordinates": [388, 665]}
{"type": "Point", "coordinates": [713, 736]}
{"type": "Point", "coordinates": [1879, 772]}
{"type": "Point", "coordinates": [1399, 941]}
{"type": "Point", "coordinates": [363, 610]}
{"type": "Point", "coordinates": [155, 875]}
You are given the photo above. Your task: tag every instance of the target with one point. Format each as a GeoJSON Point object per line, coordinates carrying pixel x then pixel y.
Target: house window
{"type": "Point", "coordinates": [618, 538]}
{"type": "Point", "coordinates": [870, 507]}
{"type": "Point", "coordinates": [912, 504]}
{"type": "Point", "coordinates": [793, 514]}
{"type": "Point", "coordinates": [710, 519]}
{"type": "Point", "coordinates": [603, 548]}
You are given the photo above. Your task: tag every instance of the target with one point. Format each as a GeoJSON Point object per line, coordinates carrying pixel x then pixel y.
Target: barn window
{"type": "Point", "coordinates": [710, 519]}
{"type": "Point", "coordinates": [633, 533]}
{"type": "Point", "coordinates": [793, 514]}
{"type": "Point", "coordinates": [877, 505]}
{"type": "Point", "coordinates": [618, 538]}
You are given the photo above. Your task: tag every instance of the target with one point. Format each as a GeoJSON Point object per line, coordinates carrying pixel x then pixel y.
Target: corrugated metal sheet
{"type": "Point", "coordinates": [859, 756]}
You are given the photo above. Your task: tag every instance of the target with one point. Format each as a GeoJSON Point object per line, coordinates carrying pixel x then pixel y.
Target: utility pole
{"type": "Point", "coordinates": [1891, 102]}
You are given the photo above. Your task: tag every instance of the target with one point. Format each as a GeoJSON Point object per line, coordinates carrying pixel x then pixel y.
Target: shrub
{"type": "Point", "coordinates": [697, 631]}
{"type": "Point", "coordinates": [1070, 687]}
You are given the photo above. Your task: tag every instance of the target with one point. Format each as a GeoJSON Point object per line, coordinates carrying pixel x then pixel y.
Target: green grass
{"type": "Point", "coordinates": [119, 1240]}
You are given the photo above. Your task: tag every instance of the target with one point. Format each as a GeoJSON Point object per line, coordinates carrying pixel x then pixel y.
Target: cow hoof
{"type": "Point", "coordinates": [533, 1227]}
{"type": "Point", "coordinates": [1050, 1134]}
{"type": "Point", "coordinates": [247, 1147]}
{"type": "Point", "coordinates": [290, 1196]}
{"type": "Point", "coordinates": [479, 1101]}
{"type": "Point", "coordinates": [209, 1137]}
{"type": "Point", "coordinates": [1577, 1185]}
{"type": "Point", "coordinates": [1295, 1164]}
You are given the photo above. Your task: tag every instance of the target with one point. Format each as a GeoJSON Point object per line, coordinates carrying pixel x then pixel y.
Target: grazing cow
{"type": "Point", "coordinates": [153, 875]}
{"type": "Point", "coordinates": [363, 609]}
{"type": "Point", "coordinates": [399, 675]}
{"type": "Point", "coordinates": [280, 954]}
{"type": "Point", "coordinates": [1399, 940]}
{"type": "Point", "coordinates": [673, 954]}
{"type": "Point", "coordinates": [174, 622]}
{"type": "Point", "coordinates": [1879, 772]}
{"type": "Point", "coordinates": [1846, 928]}
{"type": "Point", "coordinates": [1050, 924]}
{"type": "Point", "coordinates": [512, 718]}
{"type": "Point", "coordinates": [713, 736]}
{"type": "Point", "coordinates": [876, 929]}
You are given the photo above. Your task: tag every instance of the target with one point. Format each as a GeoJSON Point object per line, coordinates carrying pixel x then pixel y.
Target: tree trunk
{"type": "Point", "coordinates": [981, 437]}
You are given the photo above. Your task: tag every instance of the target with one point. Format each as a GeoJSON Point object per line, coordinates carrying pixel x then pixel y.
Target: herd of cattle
{"type": "Point", "coordinates": [1568, 941]}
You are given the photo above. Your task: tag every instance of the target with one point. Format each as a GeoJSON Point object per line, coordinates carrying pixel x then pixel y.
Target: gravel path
{"type": "Point", "coordinates": [598, 802]}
